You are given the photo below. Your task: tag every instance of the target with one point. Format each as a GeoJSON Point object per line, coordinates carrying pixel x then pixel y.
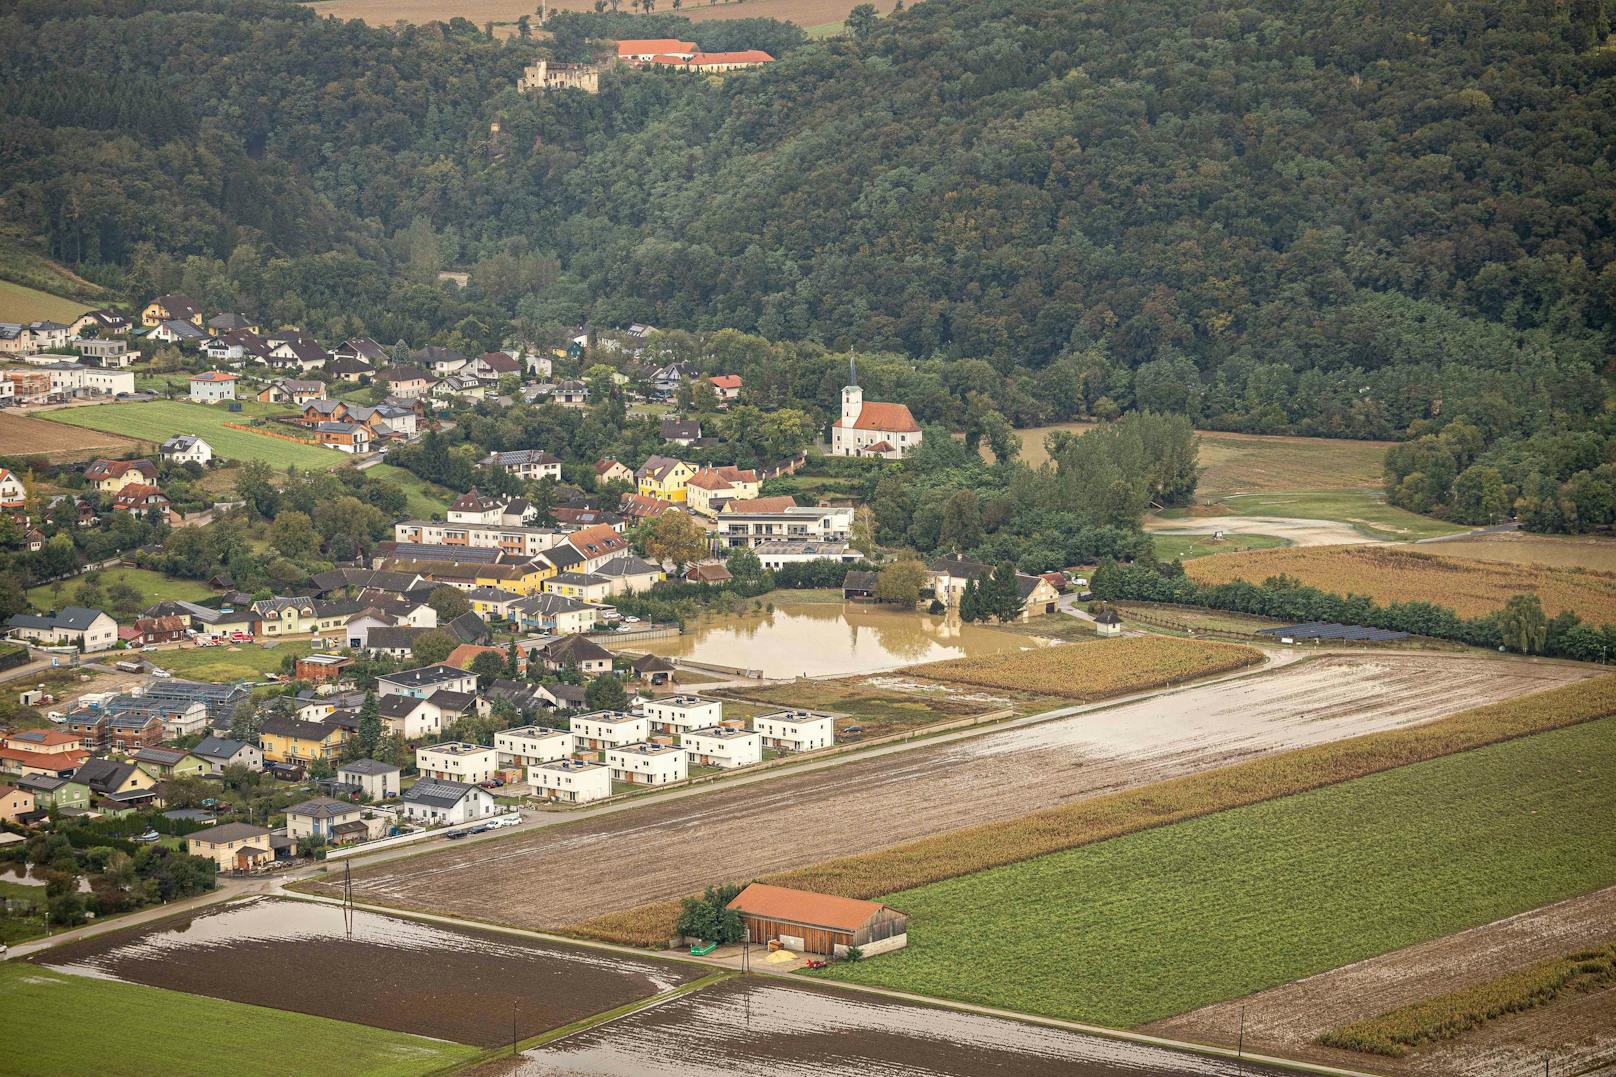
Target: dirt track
{"type": "Point", "coordinates": [1577, 1031]}
{"type": "Point", "coordinates": [559, 875]}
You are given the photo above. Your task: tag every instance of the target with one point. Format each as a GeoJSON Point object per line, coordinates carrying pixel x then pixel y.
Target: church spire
{"type": "Point", "coordinates": [852, 371]}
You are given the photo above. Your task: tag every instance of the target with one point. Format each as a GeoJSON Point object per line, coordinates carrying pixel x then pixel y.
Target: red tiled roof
{"type": "Point", "coordinates": [644, 46]}
{"type": "Point", "coordinates": [876, 415]}
{"type": "Point", "coordinates": [762, 504]}
{"type": "Point", "coordinates": [805, 907]}
{"type": "Point", "coordinates": [51, 761]}
{"type": "Point", "coordinates": [461, 657]}
{"type": "Point", "coordinates": [214, 375]}
{"type": "Point", "coordinates": [726, 381]}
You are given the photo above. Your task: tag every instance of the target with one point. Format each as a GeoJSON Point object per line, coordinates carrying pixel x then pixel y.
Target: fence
{"type": "Point", "coordinates": [270, 433]}
{"type": "Point", "coordinates": [1155, 619]}
{"type": "Point", "coordinates": [344, 851]}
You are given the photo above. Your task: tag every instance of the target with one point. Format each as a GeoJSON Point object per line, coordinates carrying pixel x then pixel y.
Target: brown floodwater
{"type": "Point", "coordinates": [463, 985]}
{"type": "Point", "coordinates": [827, 639]}
{"type": "Point", "coordinates": [763, 1027]}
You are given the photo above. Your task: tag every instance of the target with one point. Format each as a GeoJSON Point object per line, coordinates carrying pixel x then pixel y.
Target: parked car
{"type": "Point", "coordinates": [503, 821]}
{"type": "Point", "coordinates": [453, 834]}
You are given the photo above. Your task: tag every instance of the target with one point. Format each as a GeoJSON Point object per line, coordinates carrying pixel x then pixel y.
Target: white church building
{"type": "Point", "coordinates": [873, 428]}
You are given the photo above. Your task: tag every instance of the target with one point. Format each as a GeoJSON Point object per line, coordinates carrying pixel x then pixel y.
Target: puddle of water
{"type": "Point", "coordinates": [830, 639]}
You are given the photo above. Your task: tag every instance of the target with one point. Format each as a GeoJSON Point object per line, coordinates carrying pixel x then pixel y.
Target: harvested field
{"type": "Point", "coordinates": [1577, 1032]}
{"type": "Point", "coordinates": [386, 12]}
{"type": "Point", "coordinates": [618, 860]}
{"type": "Point", "coordinates": [1095, 670]}
{"type": "Point", "coordinates": [1519, 548]}
{"type": "Point", "coordinates": [21, 435]}
{"type": "Point", "coordinates": [158, 420]}
{"type": "Point", "coordinates": [391, 973]}
{"type": "Point", "coordinates": [1402, 574]}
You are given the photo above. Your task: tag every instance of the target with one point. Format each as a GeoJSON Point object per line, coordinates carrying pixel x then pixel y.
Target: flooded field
{"type": "Point", "coordinates": [466, 986]}
{"type": "Point", "coordinates": [831, 639]}
{"type": "Point", "coordinates": [755, 1026]}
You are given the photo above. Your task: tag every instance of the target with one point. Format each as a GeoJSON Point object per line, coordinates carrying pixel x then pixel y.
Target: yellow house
{"type": "Point", "coordinates": [582, 586]}
{"type": "Point", "coordinates": [232, 846]}
{"type": "Point", "coordinates": [111, 476]}
{"type": "Point", "coordinates": [175, 307]}
{"type": "Point", "coordinates": [164, 763]}
{"type": "Point", "coordinates": [524, 578]}
{"type": "Point", "coordinates": [289, 740]}
{"type": "Point", "coordinates": [286, 616]}
{"type": "Point", "coordinates": [664, 478]}
{"type": "Point", "coordinates": [711, 488]}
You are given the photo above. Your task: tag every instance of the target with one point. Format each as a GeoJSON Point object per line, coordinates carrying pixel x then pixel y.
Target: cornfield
{"type": "Point", "coordinates": [1097, 670]}
{"type": "Point", "coordinates": [1397, 1032]}
{"type": "Point", "coordinates": [990, 845]}
{"type": "Point", "coordinates": [1398, 574]}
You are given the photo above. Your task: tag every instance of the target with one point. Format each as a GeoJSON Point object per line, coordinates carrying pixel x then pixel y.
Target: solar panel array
{"type": "Point", "coordinates": [1326, 630]}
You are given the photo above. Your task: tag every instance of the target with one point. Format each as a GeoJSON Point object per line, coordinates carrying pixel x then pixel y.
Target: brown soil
{"type": "Point", "coordinates": [668, 849]}
{"type": "Point", "coordinates": [1577, 1031]}
{"type": "Point", "coordinates": [404, 975]}
{"type": "Point", "coordinates": [21, 435]}
{"type": "Point", "coordinates": [804, 13]}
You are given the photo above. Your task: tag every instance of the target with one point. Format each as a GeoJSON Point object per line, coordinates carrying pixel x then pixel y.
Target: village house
{"type": "Point", "coordinates": [47, 752]}
{"type": "Point", "coordinates": [643, 50]}
{"type": "Point", "coordinates": [221, 752]}
{"type": "Point", "coordinates": [680, 431]}
{"type": "Point", "coordinates": [375, 779]}
{"type": "Point", "coordinates": [15, 803]}
{"type": "Point", "coordinates": [112, 354]}
{"type": "Point", "coordinates": [595, 545]}
{"type": "Point", "coordinates": [13, 494]}
{"type": "Point", "coordinates": [457, 762]}
{"type": "Point", "coordinates": [288, 740]}
{"type": "Point", "coordinates": [630, 575]}
{"type": "Point", "coordinates": [410, 383]}
{"type": "Point", "coordinates": [232, 846]}
{"type": "Point", "coordinates": [285, 616]}
{"type": "Point", "coordinates": [777, 555]}
{"type": "Point", "coordinates": [187, 449]}
{"type": "Point", "coordinates": [570, 781]}
{"type": "Point", "coordinates": [138, 497]}
{"type": "Point", "coordinates": [554, 615]}
{"type": "Point", "coordinates": [320, 818]}
{"type": "Point", "coordinates": [89, 630]}
{"type": "Point", "coordinates": [644, 763]}
{"type": "Point", "coordinates": [664, 478]}
{"type": "Point", "coordinates": [110, 476]}
{"type": "Point", "coordinates": [435, 802]}
{"type": "Point", "coordinates": [102, 322]}
{"type": "Point", "coordinates": [722, 746]}
{"type": "Point", "coordinates": [714, 63]}
{"type": "Point", "coordinates": [674, 715]}
{"type": "Point", "coordinates": [60, 792]}
{"type": "Point", "coordinates": [571, 394]}
{"type": "Point", "coordinates": [343, 436]}
{"type": "Point", "coordinates": [291, 391]}
{"type": "Point", "coordinates": [597, 731]}
{"type": "Point", "coordinates": [178, 332]}
{"type": "Point", "coordinates": [165, 763]}
{"type": "Point", "coordinates": [579, 586]}
{"type": "Point", "coordinates": [492, 602]}
{"type": "Point", "coordinates": [711, 488]}
{"type": "Point", "coordinates": [872, 429]}
{"type": "Point", "coordinates": [346, 368]}
{"type": "Point", "coordinates": [530, 745]}
{"type": "Point", "coordinates": [527, 464]}
{"type": "Point", "coordinates": [213, 386]}
{"type": "Point", "coordinates": [107, 778]}
{"type": "Point", "coordinates": [231, 323]}
{"type": "Point", "coordinates": [173, 307]}
{"type": "Point", "coordinates": [819, 923]}
{"type": "Point", "coordinates": [577, 651]}
{"type": "Point", "coordinates": [748, 524]}
{"type": "Point", "coordinates": [608, 470]}
{"type": "Point", "coordinates": [425, 680]}
{"type": "Point", "coordinates": [950, 575]}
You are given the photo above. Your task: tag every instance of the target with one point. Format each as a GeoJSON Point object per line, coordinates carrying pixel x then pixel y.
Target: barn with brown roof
{"type": "Point", "coordinates": [819, 923]}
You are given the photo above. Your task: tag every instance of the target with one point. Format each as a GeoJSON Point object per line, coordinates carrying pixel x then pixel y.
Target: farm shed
{"type": "Point", "coordinates": [819, 923]}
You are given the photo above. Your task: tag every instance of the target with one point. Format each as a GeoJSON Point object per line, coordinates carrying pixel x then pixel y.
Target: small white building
{"type": "Point", "coordinates": [722, 746]}
{"type": "Point", "coordinates": [643, 763]}
{"type": "Point", "coordinates": [600, 730]}
{"type": "Point", "coordinates": [377, 780]}
{"type": "Point", "coordinates": [434, 802]}
{"type": "Point", "coordinates": [425, 680]}
{"type": "Point", "coordinates": [187, 449]}
{"type": "Point", "coordinates": [319, 817]}
{"type": "Point", "coordinates": [531, 745]}
{"type": "Point", "coordinates": [570, 781]}
{"type": "Point", "coordinates": [674, 715]}
{"type": "Point", "coordinates": [212, 386]}
{"type": "Point", "coordinates": [457, 761]}
{"type": "Point", "coordinates": [795, 730]}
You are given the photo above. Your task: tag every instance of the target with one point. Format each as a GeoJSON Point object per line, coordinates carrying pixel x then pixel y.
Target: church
{"type": "Point", "coordinates": [874, 428]}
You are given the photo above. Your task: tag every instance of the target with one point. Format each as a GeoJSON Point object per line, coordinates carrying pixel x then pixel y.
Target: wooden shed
{"type": "Point", "coordinates": [819, 923]}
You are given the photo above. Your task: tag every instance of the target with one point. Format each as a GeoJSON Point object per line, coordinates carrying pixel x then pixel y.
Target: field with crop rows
{"type": "Point", "coordinates": [1085, 671]}
{"type": "Point", "coordinates": [1399, 574]}
{"type": "Point", "coordinates": [1168, 919]}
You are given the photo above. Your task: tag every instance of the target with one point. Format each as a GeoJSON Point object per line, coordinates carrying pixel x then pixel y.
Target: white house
{"type": "Point", "coordinates": [630, 575]}
{"type": "Point", "coordinates": [187, 449]}
{"type": "Point", "coordinates": [212, 386]}
{"type": "Point", "coordinates": [433, 801]}
{"type": "Point", "coordinates": [646, 764]}
{"type": "Point", "coordinates": [318, 817]}
{"type": "Point", "coordinates": [457, 761]}
{"type": "Point", "coordinates": [673, 715]}
{"type": "Point", "coordinates": [409, 717]}
{"type": "Point", "coordinates": [221, 752]}
{"type": "Point", "coordinates": [570, 781]}
{"type": "Point", "coordinates": [93, 630]}
{"type": "Point", "coordinates": [529, 464]}
{"type": "Point", "coordinates": [600, 730]}
{"type": "Point", "coordinates": [531, 745]}
{"type": "Point", "coordinates": [376, 779]}
{"type": "Point", "coordinates": [13, 494]}
{"type": "Point", "coordinates": [722, 746]}
{"type": "Point", "coordinates": [424, 681]}
{"type": "Point", "coordinates": [795, 730]}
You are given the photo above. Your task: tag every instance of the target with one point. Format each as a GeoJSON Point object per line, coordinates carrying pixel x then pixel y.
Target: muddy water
{"type": "Point", "coordinates": [830, 639]}
{"type": "Point", "coordinates": [759, 1027]}
{"type": "Point", "coordinates": [466, 986]}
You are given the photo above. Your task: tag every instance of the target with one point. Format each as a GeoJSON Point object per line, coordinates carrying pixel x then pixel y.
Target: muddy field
{"type": "Point", "coordinates": [1518, 548]}
{"type": "Point", "coordinates": [757, 1026]}
{"type": "Point", "coordinates": [664, 850]}
{"type": "Point", "coordinates": [21, 435]}
{"type": "Point", "coordinates": [1578, 1031]}
{"type": "Point", "coordinates": [805, 13]}
{"type": "Point", "coordinates": [465, 986]}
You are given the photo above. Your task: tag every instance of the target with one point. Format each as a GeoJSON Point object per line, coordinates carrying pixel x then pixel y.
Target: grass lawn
{"type": "Point", "coordinates": [234, 662]}
{"type": "Point", "coordinates": [424, 499]}
{"type": "Point", "coordinates": [158, 420]}
{"type": "Point", "coordinates": [1364, 509]}
{"type": "Point", "coordinates": [1170, 547]}
{"type": "Point", "coordinates": [153, 586]}
{"type": "Point", "coordinates": [20, 303]}
{"type": "Point", "coordinates": [1162, 921]}
{"type": "Point", "coordinates": [143, 1030]}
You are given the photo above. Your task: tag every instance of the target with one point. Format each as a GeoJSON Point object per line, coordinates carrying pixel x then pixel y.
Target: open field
{"type": "Point", "coordinates": [158, 420]}
{"type": "Point", "coordinates": [153, 586]}
{"type": "Point", "coordinates": [1095, 670]}
{"type": "Point", "coordinates": [143, 1030]}
{"type": "Point", "coordinates": [386, 12]}
{"type": "Point", "coordinates": [424, 499]}
{"type": "Point", "coordinates": [1403, 574]}
{"type": "Point", "coordinates": [1158, 922]}
{"type": "Point", "coordinates": [1521, 548]}
{"type": "Point", "coordinates": [402, 975]}
{"type": "Point", "coordinates": [1577, 1031]}
{"type": "Point", "coordinates": [1171, 547]}
{"type": "Point", "coordinates": [228, 662]}
{"type": "Point", "coordinates": [882, 703]}
{"type": "Point", "coordinates": [1364, 510]}
{"type": "Point", "coordinates": [618, 861]}
{"type": "Point", "coordinates": [22, 435]}
{"type": "Point", "coordinates": [753, 1025]}
{"type": "Point", "coordinates": [20, 303]}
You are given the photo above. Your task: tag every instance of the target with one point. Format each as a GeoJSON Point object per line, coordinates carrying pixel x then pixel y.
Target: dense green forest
{"type": "Point", "coordinates": [1361, 218]}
